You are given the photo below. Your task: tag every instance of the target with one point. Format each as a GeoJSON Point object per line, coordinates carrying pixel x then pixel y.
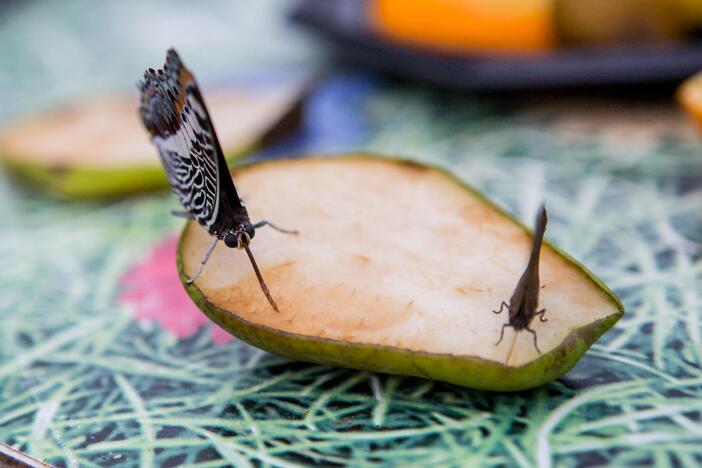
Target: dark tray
{"type": "Point", "coordinates": [344, 22]}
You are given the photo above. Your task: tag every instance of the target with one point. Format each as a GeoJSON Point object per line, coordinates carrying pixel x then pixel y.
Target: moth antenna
{"type": "Point", "coordinates": [262, 283]}
{"type": "Point", "coordinates": [539, 231]}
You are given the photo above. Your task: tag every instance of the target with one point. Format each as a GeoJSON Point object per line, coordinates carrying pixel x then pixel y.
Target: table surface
{"type": "Point", "coordinates": [104, 361]}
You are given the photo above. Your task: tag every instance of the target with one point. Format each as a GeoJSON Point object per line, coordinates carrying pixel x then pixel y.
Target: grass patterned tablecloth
{"type": "Point", "coordinates": [86, 380]}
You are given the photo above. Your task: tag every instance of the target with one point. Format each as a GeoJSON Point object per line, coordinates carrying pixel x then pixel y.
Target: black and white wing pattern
{"type": "Point", "coordinates": [174, 113]}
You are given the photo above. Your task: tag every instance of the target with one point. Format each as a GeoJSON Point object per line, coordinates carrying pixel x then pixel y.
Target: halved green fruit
{"type": "Point", "coordinates": [396, 269]}
{"type": "Point", "coordinates": [97, 147]}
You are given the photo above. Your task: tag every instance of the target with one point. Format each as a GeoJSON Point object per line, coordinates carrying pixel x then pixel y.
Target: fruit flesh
{"type": "Point", "coordinates": [390, 255]}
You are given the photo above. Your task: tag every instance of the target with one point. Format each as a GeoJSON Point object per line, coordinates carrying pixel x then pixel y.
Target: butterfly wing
{"type": "Point", "coordinates": [175, 115]}
{"type": "Point", "coordinates": [525, 299]}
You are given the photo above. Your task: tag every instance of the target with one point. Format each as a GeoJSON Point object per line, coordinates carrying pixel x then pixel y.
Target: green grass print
{"type": "Point", "coordinates": [83, 384]}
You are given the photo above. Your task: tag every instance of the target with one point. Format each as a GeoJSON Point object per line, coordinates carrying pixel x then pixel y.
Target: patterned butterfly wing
{"type": "Point", "coordinates": [174, 113]}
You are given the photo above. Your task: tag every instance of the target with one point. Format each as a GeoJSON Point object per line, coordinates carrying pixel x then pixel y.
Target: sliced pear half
{"type": "Point", "coordinates": [97, 147]}
{"type": "Point", "coordinates": [397, 269]}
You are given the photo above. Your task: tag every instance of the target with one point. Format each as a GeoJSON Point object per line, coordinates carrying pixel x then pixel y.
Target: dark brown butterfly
{"type": "Point", "coordinates": [174, 113]}
{"type": "Point", "coordinates": [524, 302]}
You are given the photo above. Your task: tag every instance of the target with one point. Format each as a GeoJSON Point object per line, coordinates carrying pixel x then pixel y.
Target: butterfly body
{"type": "Point", "coordinates": [524, 302]}
{"type": "Point", "coordinates": [175, 115]}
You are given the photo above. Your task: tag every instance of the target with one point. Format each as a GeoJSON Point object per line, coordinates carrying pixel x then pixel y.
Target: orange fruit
{"type": "Point", "coordinates": [690, 97]}
{"type": "Point", "coordinates": [524, 26]}
{"type": "Point", "coordinates": [473, 25]}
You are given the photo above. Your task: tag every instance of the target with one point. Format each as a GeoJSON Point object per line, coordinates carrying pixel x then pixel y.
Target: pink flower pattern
{"type": "Point", "coordinates": [153, 289]}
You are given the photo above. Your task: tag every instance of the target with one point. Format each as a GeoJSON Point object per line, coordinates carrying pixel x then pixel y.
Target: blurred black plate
{"type": "Point", "coordinates": [344, 22]}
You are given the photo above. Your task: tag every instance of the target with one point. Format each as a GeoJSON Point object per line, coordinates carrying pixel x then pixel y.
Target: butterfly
{"type": "Point", "coordinates": [174, 113]}
{"type": "Point", "coordinates": [524, 302]}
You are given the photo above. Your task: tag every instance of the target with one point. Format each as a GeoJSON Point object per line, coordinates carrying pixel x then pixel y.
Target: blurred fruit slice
{"type": "Point", "coordinates": [97, 147]}
{"type": "Point", "coordinates": [690, 97]}
{"type": "Point", "coordinates": [396, 269]}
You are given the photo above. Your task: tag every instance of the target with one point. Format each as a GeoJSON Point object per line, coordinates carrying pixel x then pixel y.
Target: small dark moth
{"type": "Point", "coordinates": [174, 113]}
{"type": "Point", "coordinates": [525, 299]}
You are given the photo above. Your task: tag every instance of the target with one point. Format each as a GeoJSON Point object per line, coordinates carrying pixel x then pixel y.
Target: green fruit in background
{"type": "Point", "coordinates": [633, 22]}
{"type": "Point", "coordinates": [97, 147]}
{"type": "Point", "coordinates": [396, 269]}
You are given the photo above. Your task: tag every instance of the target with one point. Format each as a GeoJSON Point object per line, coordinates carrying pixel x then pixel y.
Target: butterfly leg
{"type": "Point", "coordinates": [182, 214]}
{"type": "Point", "coordinates": [204, 260]}
{"type": "Point", "coordinates": [540, 314]}
{"type": "Point", "coordinates": [533, 333]}
{"type": "Point", "coordinates": [263, 222]}
{"type": "Point", "coordinates": [502, 306]}
{"type": "Point", "coordinates": [502, 333]}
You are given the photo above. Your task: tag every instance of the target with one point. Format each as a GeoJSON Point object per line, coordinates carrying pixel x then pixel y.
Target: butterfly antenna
{"type": "Point", "coordinates": [262, 283]}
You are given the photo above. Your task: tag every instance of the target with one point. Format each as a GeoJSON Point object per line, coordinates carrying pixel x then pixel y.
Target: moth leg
{"type": "Point", "coordinates": [502, 333]}
{"type": "Point", "coordinates": [540, 314]}
{"type": "Point", "coordinates": [502, 306]}
{"type": "Point", "coordinates": [264, 222]}
{"type": "Point", "coordinates": [182, 214]}
{"type": "Point", "coordinates": [533, 333]}
{"type": "Point", "coordinates": [204, 260]}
